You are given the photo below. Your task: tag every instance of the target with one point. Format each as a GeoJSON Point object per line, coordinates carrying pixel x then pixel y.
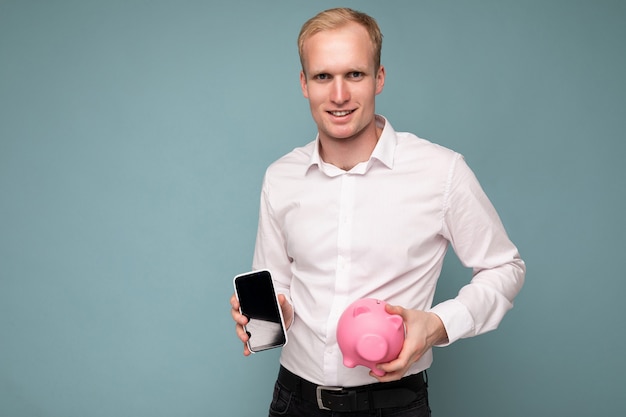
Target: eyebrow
{"type": "Point", "coordinates": [325, 71]}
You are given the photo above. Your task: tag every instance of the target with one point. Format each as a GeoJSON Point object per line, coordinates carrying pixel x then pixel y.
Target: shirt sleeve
{"type": "Point", "coordinates": [270, 249]}
{"type": "Point", "coordinates": [479, 239]}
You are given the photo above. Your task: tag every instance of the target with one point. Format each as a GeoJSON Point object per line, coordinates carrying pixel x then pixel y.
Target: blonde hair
{"type": "Point", "coordinates": [335, 18]}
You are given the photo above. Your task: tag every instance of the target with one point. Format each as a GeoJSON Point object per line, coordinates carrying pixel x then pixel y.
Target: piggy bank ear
{"type": "Point", "coordinates": [396, 321]}
{"type": "Point", "coordinates": [360, 310]}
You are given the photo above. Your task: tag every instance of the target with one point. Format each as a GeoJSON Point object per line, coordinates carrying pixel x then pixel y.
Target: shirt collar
{"type": "Point", "coordinates": [383, 152]}
{"type": "Point", "coordinates": [386, 147]}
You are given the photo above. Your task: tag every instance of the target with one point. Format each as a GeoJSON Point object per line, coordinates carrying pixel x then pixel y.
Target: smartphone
{"type": "Point", "coordinates": [259, 303]}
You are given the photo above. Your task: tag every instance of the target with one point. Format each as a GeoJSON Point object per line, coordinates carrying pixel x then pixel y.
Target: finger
{"type": "Point", "coordinates": [394, 370]}
{"type": "Point", "coordinates": [242, 333]}
{"type": "Point", "coordinates": [238, 317]}
{"type": "Point", "coordinates": [397, 365]}
{"type": "Point", "coordinates": [234, 301]}
{"type": "Point", "coordinates": [388, 376]}
{"type": "Point", "coordinates": [393, 309]}
{"type": "Point", "coordinates": [244, 336]}
{"type": "Point", "coordinates": [235, 313]}
{"type": "Point", "coordinates": [282, 301]}
{"type": "Point", "coordinates": [286, 309]}
{"type": "Point", "coordinates": [240, 321]}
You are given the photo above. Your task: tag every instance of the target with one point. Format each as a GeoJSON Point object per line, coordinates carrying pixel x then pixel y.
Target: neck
{"type": "Point", "coordinates": [348, 152]}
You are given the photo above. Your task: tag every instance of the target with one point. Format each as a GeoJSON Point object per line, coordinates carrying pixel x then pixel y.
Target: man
{"type": "Point", "coordinates": [364, 211]}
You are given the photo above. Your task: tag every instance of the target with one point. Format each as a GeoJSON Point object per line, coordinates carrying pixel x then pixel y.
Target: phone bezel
{"type": "Point", "coordinates": [276, 305]}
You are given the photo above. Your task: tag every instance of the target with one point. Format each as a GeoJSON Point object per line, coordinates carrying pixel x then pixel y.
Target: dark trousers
{"type": "Point", "coordinates": [287, 403]}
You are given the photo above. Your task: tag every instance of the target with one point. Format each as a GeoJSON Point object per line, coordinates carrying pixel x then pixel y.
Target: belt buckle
{"type": "Point", "coordinates": [318, 395]}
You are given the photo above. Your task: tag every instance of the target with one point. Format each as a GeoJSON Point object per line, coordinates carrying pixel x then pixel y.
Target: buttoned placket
{"type": "Point", "coordinates": [343, 270]}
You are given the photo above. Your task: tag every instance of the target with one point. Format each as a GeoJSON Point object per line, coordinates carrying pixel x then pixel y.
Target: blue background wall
{"type": "Point", "coordinates": [133, 139]}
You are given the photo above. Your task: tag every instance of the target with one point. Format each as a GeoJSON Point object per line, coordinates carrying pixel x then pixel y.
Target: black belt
{"type": "Point", "coordinates": [364, 397]}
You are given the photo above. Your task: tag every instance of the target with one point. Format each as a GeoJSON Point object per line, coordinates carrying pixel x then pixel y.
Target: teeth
{"type": "Point", "coordinates": [341, 113]}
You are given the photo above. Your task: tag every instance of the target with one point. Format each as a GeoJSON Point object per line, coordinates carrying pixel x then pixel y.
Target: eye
{"type": "Point", "coordinates": [355, 75]}
{"type": "Point", "coordinates": [322, 77]}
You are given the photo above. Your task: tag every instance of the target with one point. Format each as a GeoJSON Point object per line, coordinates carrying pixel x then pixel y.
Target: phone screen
{"type": "Point", "coordinates": [258, 302]}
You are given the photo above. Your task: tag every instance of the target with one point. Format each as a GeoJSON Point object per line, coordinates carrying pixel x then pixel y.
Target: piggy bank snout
{"type": "Point", "coordinates": [368, 335]}
{"type": "Point", "coordinates": [372, 347]}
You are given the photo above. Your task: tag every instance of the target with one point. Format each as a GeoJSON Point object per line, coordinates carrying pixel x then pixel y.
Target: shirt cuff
{"type": "Point", "coordinates": [456, 319]}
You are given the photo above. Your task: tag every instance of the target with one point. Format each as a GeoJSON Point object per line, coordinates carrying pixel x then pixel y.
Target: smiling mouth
{"type": "Point", "coordinates": [341, 113]}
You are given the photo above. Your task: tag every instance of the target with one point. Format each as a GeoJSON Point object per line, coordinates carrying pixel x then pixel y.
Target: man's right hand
{"type": "Point", "coordinates": [241, 320]}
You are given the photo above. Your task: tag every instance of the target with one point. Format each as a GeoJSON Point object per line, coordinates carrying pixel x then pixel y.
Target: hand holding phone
{"type": "Point", "coordinates": [258, 302]}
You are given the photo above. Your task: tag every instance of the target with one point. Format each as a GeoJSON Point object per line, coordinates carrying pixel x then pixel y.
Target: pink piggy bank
{"type": "Point", "coordinates": [368, 335]}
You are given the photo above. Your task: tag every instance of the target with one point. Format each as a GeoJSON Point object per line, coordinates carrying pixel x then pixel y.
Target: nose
{"type": "Point", "coordinates": [340, 92]}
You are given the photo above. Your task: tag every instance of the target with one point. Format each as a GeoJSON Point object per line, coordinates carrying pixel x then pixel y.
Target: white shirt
{"type": "Point", "coordinates": [380, 230]}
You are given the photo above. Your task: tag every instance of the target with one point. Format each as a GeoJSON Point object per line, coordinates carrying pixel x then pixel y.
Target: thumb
{"type": "Point", "coordinates": [287, 309]}
{"type": "Point", "coordinates": [393, 309]}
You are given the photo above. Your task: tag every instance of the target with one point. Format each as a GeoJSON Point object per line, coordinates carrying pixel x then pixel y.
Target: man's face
{"type": "Point", "coordinates": [341, 82]}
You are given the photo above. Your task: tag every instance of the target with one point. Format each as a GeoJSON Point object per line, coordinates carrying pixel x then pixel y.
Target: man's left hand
{"type": "Point", "coordinates": [423, 331]}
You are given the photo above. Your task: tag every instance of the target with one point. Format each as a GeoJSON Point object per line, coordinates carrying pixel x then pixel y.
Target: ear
{"type": "Point", "coordinates": [380, 79]}
{"type": "Point", "coordinates": [360, 310]}
{"type": "Point", "coordinates": [303, 85]}
{"type": "Point", "coordinates": [396, 321]}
